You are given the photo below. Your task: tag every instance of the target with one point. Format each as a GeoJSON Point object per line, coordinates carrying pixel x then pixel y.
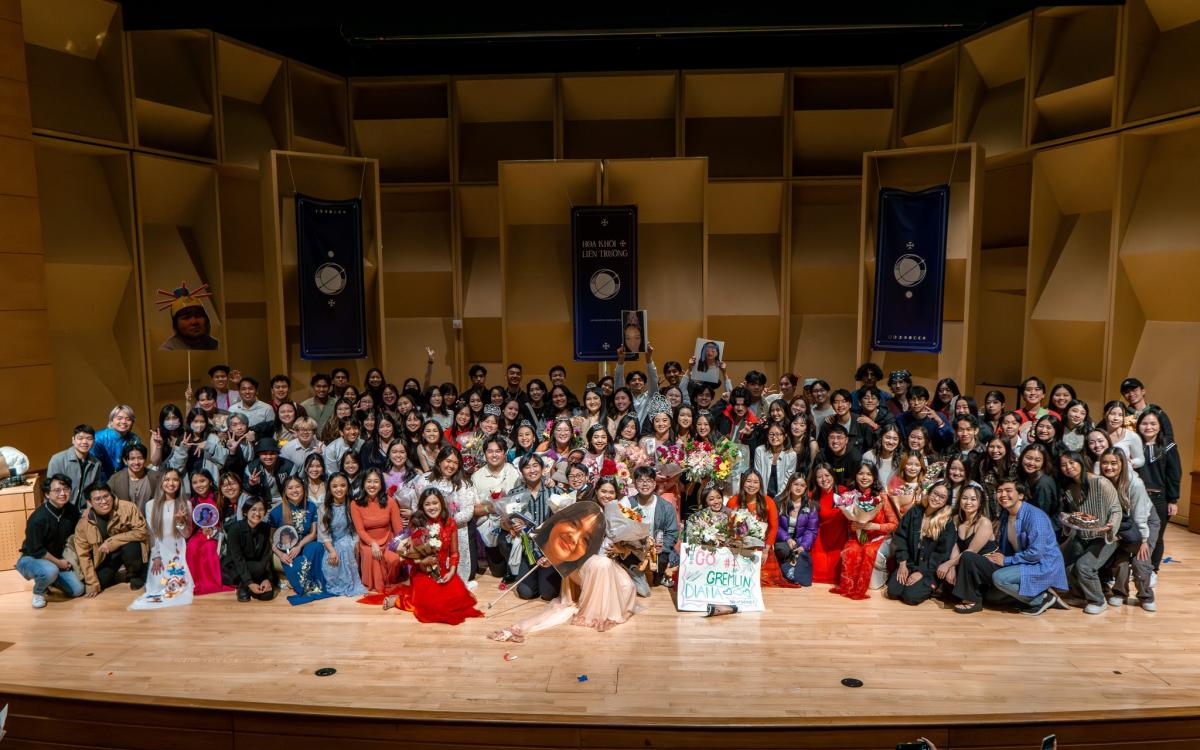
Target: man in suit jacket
{"type": "Point", "coordinates": [664, 528]}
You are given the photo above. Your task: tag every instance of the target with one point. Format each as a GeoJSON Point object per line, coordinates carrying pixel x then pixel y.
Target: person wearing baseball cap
{"type": "Point", "coordinates": [1134, 393]}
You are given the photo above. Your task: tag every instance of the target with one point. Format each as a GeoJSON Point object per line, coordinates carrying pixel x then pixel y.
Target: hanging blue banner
{"type": "Point", "coordinates": [604, 269]}
{"type": "Point", "coordinates": [910, 269]}
{"type": "Point", "coordinates": [333, 316]}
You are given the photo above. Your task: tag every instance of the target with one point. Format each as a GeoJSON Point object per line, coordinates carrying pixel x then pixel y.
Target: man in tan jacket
{"type": "Point", "coordinates": [111, 534]}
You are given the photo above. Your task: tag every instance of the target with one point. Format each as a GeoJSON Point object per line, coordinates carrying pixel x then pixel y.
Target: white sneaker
{"type": "Point", "coordinates": [472, 585]}
{"type": "Point", "coordinates": [1095, 609]}
{"type": "Point", "coordinates": [1149, 606]}
{"type": "Point", "coordinates": [1116, 601]}
{"type": "Point", "coordinates": [1153, 580]}
{"type": "Point", "coordinates": [39, 601]}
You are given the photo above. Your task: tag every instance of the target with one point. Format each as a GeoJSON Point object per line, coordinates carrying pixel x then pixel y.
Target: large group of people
{"type": "Point", "coordinates": [396, 493]}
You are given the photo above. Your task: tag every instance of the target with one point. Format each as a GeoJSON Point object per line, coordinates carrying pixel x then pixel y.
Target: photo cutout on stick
{"type": "Point", "coordinates": [190, 321]}
{"type": "Point", "coordinates": [709, 354]}
{"type": "Point", "coordinates": [572, 535]}
{"type": "Point", "coordinates": [633, 332]}
{"type": "Point", "coordinates": [286, 537]}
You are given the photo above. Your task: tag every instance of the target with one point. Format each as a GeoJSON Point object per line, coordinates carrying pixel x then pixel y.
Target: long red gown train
{"type": "Point", "coordinates": [429, 601]}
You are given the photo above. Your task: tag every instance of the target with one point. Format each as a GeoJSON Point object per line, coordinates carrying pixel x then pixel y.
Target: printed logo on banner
{"type": "Point", "coordinates": [604, 271]}
{"type": "Point", "coordinates": [910, 254]}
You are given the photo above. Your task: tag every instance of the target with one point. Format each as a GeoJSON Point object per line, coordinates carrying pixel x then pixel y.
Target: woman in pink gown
{"type": "Point", "coordinates": [599, 595]}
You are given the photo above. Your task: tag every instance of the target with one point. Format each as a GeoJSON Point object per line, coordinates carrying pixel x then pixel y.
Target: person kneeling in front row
{"type": "Point", "coordinates": [111, 534]}
{"type": "Point", "coordinates": [247, 559]}
{"type": "Point", "coordinates": [1028, 565]}
{"type": "Point", "coordinates": [46, 534]}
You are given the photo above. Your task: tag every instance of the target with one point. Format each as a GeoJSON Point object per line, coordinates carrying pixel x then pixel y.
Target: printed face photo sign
{"type": "Point", "coordinates": [572, 535]}
{"type": "Point", "coordinates": [633, 332]}
{"type": "Point", "coordinates": [709, 354]}
{"type": "Point", "coordinates": [191, 326]}
{"type": "Point", "coordinates": [286, 537]}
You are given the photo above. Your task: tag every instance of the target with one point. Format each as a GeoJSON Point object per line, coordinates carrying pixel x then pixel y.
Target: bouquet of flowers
{"type": "Point", "coordinates": [728, 454]}
{"type": "Point", "coordinates": [627, 531]}
{"type": "Point", "coordinates": [668, 459]}
{"type": "Point", "coordinates": [933, 473]}
{"type": "Point", "coordinates": [707, 529]}
{"type": "Point", "coordinates": [620, 472]}
{"type": "Point", "coordinates": [632, 455]}
{"type": "Point", "coordinates": [471, 448]}
{"type": "Point", "coordinates": [745, 530]}
{"type": "Point", "coordinates": [858, 507]}
{"type": "Point", "coordinates": [700, 462]}
{"type": "Point", "coordinates": [427, 541]}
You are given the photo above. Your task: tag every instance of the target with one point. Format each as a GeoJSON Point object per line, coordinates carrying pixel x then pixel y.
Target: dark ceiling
{"type": "Point", "coordinates": [358, 38]}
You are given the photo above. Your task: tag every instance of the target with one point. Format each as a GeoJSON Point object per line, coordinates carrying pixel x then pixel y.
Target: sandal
{"type": "Point", "coordinates": [963, 608]}
{"type": "Point", "coordinates": [501, 636]}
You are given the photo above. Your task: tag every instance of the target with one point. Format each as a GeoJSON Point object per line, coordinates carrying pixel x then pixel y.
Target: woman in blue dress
{"type": "Point", "coordinates": [302, 561]}
{"type": "Point", "coordinates": [336, 533]}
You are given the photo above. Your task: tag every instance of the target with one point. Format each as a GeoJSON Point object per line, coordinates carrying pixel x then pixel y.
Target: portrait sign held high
{"type": "Point", "coordinates": [633, 332]}
{"type": "Point", "coordinates": [709, 355]}
{"type": "Point", "coordinates": [190, 321]}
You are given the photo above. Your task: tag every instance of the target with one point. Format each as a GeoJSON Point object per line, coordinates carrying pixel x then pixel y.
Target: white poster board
{"type": "Point", "coordinates": [718, 575]}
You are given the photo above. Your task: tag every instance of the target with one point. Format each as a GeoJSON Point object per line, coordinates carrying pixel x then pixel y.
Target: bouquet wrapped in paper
{"type": "Point", "coordinates": [745, 530]}
{"type": "Point", "coordinates": [632, 456]}
{"type": "Point", "coordinates": [707, 528]}
{"type": "Point", "coordinates": [729, 455]}
{"type": "Point", "coordinates": [627, 530]}
{"type": "Point", "coordinates": [700, 462]}
{"type": "Point", "coordinates": [858, 507]}
{"type": "Point", "coordinates": [668, 461]}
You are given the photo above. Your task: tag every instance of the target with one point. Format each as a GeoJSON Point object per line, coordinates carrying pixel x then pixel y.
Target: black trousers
{"type": "Point", "coordinates": [974, 577]}
{"type": "Point", "coordinates": [1160, 508]}
{"type": "Point", "coordinates": [913, 593]}
{"type": "Point", "coordinates": [259, 572]}
{"type": "Point", "coordinates": [129, 556]}
{"type": "Point", "coordinates": [497, 557]}
{"type": "Point", "coordinates": [545, 583]}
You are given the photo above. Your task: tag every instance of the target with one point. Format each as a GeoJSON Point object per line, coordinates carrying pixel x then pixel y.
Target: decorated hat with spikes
{"type": "Point", "coordinates": [181, 298]}
{"type": "Point", "coordinates": [657, 404]}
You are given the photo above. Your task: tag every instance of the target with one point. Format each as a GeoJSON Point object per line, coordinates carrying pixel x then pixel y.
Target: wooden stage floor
{"type": "Point", "coordinates": [921, 667]}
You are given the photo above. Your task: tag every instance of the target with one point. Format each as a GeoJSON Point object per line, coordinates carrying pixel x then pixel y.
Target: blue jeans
{"type": "Point", "coordinates": [45, 574]}
{"type": "Point", "coordinates": [1008, 580]}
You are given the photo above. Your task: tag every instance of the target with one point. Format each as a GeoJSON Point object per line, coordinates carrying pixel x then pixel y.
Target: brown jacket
{"type": "Point", "coordinates": [125, 524]}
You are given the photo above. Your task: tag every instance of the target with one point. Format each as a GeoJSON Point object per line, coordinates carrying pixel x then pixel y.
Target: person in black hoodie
{"type": "Point", "coordinates": [923, 541]}
{"type": "Point", "coordinates": [46, 534]}
{"type": "Point", "coordinates": [1161, 473]}
{"type": "Point", "coordinates": [246, 562]}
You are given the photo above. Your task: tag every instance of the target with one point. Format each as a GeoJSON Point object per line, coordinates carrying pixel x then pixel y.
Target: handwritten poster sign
{"type": "Point", "coordinates": [718, 576]}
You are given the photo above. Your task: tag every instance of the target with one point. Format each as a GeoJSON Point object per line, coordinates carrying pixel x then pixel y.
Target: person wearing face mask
{"type": "Point", "coordinates": [111, 534]}
{"type": "Point", "coordinates": [136, 482]}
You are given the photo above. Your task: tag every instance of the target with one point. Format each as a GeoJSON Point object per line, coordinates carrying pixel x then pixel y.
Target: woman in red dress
{"type": "Point", "coordinates": [858, 557]}
{"type": "Point", "coordinates": [203, 546]}
{"type": "Point", "coordinates": [832, 528]}
{"type": "Point", "coordinates": [763, 507]}
{"type": "Point", "coordinates": [377, 520]}
{"type": "Point", "coordinates": [435, 592]}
